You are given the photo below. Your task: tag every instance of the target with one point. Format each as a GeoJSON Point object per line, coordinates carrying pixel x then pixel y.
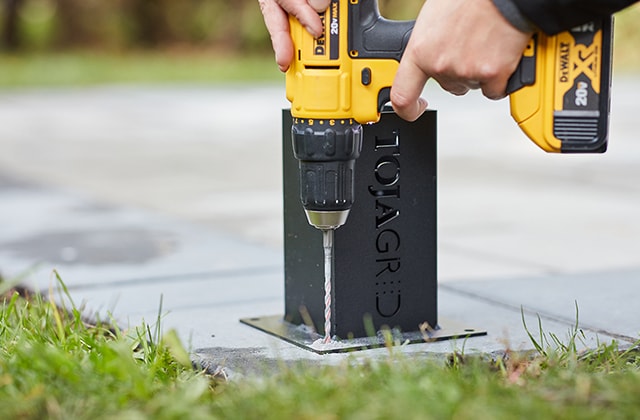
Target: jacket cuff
{"type": "Point", "coordinates": [512, 13]}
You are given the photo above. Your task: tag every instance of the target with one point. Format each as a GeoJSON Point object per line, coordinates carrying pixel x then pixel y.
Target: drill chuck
{"type": "Point", "coordinates": [327, 151]}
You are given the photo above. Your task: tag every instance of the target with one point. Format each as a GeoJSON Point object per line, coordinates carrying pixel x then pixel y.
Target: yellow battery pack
{"type": "Point", "coordinates": [560, 92]}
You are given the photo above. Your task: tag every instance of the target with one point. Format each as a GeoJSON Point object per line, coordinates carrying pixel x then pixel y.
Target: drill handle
{"type": "Point", "coordinates": [373, 36]}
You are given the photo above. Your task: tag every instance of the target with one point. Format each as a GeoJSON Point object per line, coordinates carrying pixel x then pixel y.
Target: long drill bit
{"type": "Point", "coordinates": [327, 244]}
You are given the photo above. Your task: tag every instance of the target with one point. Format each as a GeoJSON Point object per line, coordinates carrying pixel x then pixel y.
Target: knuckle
{"type": "Point", "coordinates": [494, 94]}
{"type": "Point", "coordinates": [319, 5]}
{"type": "Point", "coordinates": [440, 67]}
{"type": "Point", "coordinates": [264, 6]}
{"type": "Point", "coordinates": [400, 100]}
{"type": "Point", "coordinates": [495, 90]}
{"type": "Point", "coordinates": [298, 9]}
{"type": "Point", "coordinates": [488, 72]}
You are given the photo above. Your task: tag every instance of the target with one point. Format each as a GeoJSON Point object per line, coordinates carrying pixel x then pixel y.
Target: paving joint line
{"type": "Point", "coordinates": [186, 308]}
{"type": "Point", "coordinates": [197, 276]}
{"type": "Point", "coordinates": [548, 269]}
{"type": "Point", "coordinates": [540, 313]}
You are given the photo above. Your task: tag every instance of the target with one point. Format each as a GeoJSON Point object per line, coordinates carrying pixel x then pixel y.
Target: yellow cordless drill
{"type": "Point", "coordinates": [559, 95]}
{"type": "Point", "coordinates": [335, 83]}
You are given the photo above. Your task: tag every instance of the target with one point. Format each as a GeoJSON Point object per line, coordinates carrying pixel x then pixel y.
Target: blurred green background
{"type": "Point", "coordinates": [59, 42]}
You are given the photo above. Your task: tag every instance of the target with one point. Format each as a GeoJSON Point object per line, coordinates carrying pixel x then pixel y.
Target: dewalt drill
{"type": "Point", "coordinates": [559, 95]}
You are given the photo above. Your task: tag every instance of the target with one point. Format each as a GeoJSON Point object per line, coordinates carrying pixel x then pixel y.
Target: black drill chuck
{"type": "Point", "coordinates": [327, 151]}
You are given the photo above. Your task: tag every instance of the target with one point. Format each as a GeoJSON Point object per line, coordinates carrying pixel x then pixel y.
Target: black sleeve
{"type": "Point", "coordinates": [553, 16]}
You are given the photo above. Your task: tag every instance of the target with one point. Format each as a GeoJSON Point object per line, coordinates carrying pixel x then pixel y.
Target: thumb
{"type": "Point", "coordinates": [319, 5]}
{"type": "Point", "coordinates": [407, 87]}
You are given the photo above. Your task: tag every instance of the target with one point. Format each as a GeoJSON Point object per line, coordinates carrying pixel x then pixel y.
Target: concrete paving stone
{"type": "Point", "coordinates": [605, 300]}
{"type": "Point", "coordinates": [214, 291]}
{"type": "Point", "coordinates": [139, 192]}
{"type": "Point", "coordinates": [503, 320]}
{"type": "Point", "coordinates": [205, 304]}
{"type": "Point", "coordinates": [170, 149]}
{"type": "Point", "coordinates": [93, 244]}
{"type": "Point", "coordinates": [165, 148]}
{"type": "Point", "coordinates": [206, 317]}
{"type": "Point", "coordinates": [458, 262]}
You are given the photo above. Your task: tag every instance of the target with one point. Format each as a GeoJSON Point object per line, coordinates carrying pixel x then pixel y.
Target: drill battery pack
{"type": "Point", "coordinates": [560, 91]}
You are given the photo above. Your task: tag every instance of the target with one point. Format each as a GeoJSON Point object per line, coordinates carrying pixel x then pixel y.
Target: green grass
{"type": "Point", "coordinates": [86, 68]}
{"type": "Point", "coordinates": [478, 389]}
{"type": "Point", "coordinates": [54, 364]}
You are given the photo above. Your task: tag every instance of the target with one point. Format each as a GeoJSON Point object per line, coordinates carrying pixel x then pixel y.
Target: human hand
{"type": "Point", "coordinates": [462, 44]}
{"type": "Point", "coordinates": [277, 22]}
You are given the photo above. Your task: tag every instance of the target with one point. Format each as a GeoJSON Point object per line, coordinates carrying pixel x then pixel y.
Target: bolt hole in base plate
{"type": "Point", "coordinates": [304, 337]}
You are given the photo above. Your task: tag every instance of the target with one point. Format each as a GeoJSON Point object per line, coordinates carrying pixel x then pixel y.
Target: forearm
{"type": "Point", "coordinates": [553, 16]}
{"type": "Point", "coordinates": [514, 15]}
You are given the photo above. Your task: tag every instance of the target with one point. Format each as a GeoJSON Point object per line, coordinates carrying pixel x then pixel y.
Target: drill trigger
{"type": "Point", "coordinates": [384, 97]}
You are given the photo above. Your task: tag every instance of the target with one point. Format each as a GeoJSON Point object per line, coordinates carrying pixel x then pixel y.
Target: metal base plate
{"type": "Point", "coordinates": [304, 337]}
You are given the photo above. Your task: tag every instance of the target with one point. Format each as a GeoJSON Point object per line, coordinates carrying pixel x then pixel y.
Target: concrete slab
{"type": "Point", "coordinates": [94, 244]}
{"type": "Point", "coordinates": [205, 282]}
{"type": "Point", "coordinates": [137, 193]}
{"type": "Point", "coordinates": [603, 302]}
{"type": "Point", "coordinates": [169, 149]}
{"type": "Point", "coordinates": [206, 314]}
{"type": "Point", "coordinates": [174, 150]}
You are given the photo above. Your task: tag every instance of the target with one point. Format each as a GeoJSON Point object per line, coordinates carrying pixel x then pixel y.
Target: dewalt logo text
{"type": "Point", "coordinates": [565, 52]}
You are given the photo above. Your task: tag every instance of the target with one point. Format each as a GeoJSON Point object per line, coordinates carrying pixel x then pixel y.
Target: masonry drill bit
{"type": "Point", "coordinates": [327, 244]}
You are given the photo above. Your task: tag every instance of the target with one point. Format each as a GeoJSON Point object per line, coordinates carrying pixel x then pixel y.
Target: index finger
{"type": "Point", "coordinates": [407, 87]}
{"type": "Point", "coordinates": [277, 24]}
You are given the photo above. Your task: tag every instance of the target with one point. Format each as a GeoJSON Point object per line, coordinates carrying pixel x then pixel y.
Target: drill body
{"type": "Point", "coordinates": [336, 83]}
{"type": "Point", "coordinates": [559, 95]}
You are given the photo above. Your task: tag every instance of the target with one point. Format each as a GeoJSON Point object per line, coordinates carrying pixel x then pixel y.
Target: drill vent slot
{"type": "Point", "coordinates": [575, 128]}
{"type": "Point", "coordinates": [322, 67]}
